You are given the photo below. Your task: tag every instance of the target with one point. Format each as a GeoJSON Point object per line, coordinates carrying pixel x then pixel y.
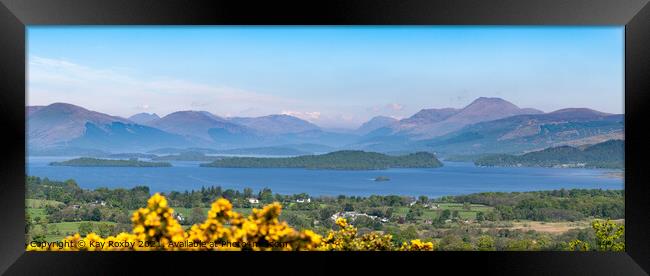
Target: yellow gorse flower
{"type": "Point", "coordinates": [417, 245]}
{"type": "Point", "coordinates": [155, 228]}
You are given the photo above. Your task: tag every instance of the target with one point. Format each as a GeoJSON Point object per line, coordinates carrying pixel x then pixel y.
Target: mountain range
{"type": "Point", "coordinates": [486, 125]}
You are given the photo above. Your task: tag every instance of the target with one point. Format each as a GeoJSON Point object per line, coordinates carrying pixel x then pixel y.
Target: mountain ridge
{"type": "Point", "coordinates": [471, 129]}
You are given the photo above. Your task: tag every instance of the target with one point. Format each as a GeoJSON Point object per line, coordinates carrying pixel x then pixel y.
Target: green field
{"type": "Point", "coordinates": [35, 213]}
{"type": "Point", "coordinates": [433, 214]}
{"type": "Point", "coordinates": [58, 231]}
{"type": "Point", "coordinates": [41, 203]}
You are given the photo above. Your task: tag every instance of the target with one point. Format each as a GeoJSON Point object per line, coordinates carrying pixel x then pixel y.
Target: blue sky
{"type": "Point", "coordinates": [332, 76]}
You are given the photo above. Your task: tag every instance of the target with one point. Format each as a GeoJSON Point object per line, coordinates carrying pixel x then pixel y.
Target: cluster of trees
{"type": "Point", "coordinates": [556, 205]}
{"type": "Point", "coordinates": [608, 154]}
{"type": "Point", "coordinates": [239, 199]}
{"type": "Point", "coordinates": [112, 204]}
{"type": "Point", "coordinates": [339, 160]}
{"type": "Point", "coordinates": [70, 193]}
{"type": "Point", "coordinates": [96, 162]}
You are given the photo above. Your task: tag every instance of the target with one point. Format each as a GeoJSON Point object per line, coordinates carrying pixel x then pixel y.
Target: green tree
{"type": "Point", "coordinates": [121, 227]}
{"type": "Point", "coordinates": [197, 216]}
{"type": "Point", "coordinates": [105, 229]}
{"type": "Point", "coordinates": [28, 223]}
{"type": "Point", "coordinates": [414, 213]}
{"type": "Point", "coordinates": [389, 212]}
{"type": "Point", "coordinates": [492, 216]}
{"type": "Point", "coordinates": [410, 233]}
{"type": "Point", "coordinates": [485, 243]}
{"type": "Point", "coordinates": [43, 225]}
{"type": "Point", "coordinates": [85, 228]}
{"type": "Point", "coordinates": [38, 238]}
{"type": "Point", "coordinates": [95, 214]}
{"type": "Point", "coordinates": [326, 213]}
{"type": "Point", "coordinates": [248, 192]}
{"type": "Point", "coordinates": [266, 196]}
{"type": "Point", "coordinates": [54, 230]}
{"type": "Point", "coordinates": [453, 242]}
{"type": "Point", "coordinates": [480, 216]}
{"type": "Point", "coordinates": [445, 215]}
{"type": "Point", "coordinates": [423, 199]}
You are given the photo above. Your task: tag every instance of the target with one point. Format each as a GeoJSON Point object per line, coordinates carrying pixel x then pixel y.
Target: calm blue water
{"type": "Point", "coordinates": [453, 179]}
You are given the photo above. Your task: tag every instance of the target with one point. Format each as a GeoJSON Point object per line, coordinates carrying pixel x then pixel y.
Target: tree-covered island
{"type": "Point", "coordinates": [609, 154]}
{"type": "Point", "coordinates": [96, 162]}
{"type": "Point", "coordinates": [339, 160]}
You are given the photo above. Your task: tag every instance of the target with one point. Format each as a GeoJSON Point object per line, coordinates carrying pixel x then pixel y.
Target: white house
{"type": "Point", "coordinates": [97, 202]}
{"type": "Point", "coordinates": [179, 217]}
{"type": "Point", "coordinates": [353, 215]}
{"type": "Point", "coordinates": [302, 200]}
{"type": "Point", "coordinates": [253, 200]}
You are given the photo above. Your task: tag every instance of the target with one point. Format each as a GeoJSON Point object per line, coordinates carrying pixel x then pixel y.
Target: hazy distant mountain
{"type": "Point", "coordinates": [431, 123]}
{"type": "Point", "coordinates": [69, 126]}
{"type": "Point", "coordinates": [313, 148]}
{"type": "Point", "coordinates": [488, 109]}
{"type": "Point", "coordinates": [522, 133]}
{"type": "Point", "coordinates": [144, 118]}
{"type": "Point", "coordinates": [487, 125]}
{"type": "Point", "coordinates": [375, 123]}
{"type": "Point", "coordinates": [65, 151]}
{"type": "Point", "coordinates": [429, 116]}
{"type": "Point", "coordinates": [181, 150]}
{"type": "Point", "coordinates": [275, 124]}
{"type": "Point", "coordinates": [31, 109]}
{"type": "Point", "coordinates": [317, 136]}
{"type": "Point", "coordinates": [436, 122]}
{"type": "Point", "coordinates": [197, 124]}
{"type": "Point", "coordinates": [61, 122]}
{"type": "Point", "coordinates": [274, 151]}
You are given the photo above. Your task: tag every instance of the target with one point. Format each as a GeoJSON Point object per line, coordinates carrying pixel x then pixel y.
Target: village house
{"type": "Point", "coordinates": [97, 202]}
{"type": "Point", "coordinates": [179, 217]}
{"type": "Point", "coordinates": [253, 200]}
{"type": "Point", "coordinates": [353, 215]}
{"type": "Point", "coordinates": [301, 200]}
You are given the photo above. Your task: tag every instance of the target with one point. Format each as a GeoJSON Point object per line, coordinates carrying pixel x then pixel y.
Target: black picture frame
{"type": "Point", "coordinates": [634, 14]}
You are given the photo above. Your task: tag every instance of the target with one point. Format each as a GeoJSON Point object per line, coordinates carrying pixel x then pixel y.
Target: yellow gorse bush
{"type": "Point", "coordinates": [155, 228]}
{"type": "Point", "coordinates": [417, 245]}
{"type": "Point", "coordinates": [609, 237]}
